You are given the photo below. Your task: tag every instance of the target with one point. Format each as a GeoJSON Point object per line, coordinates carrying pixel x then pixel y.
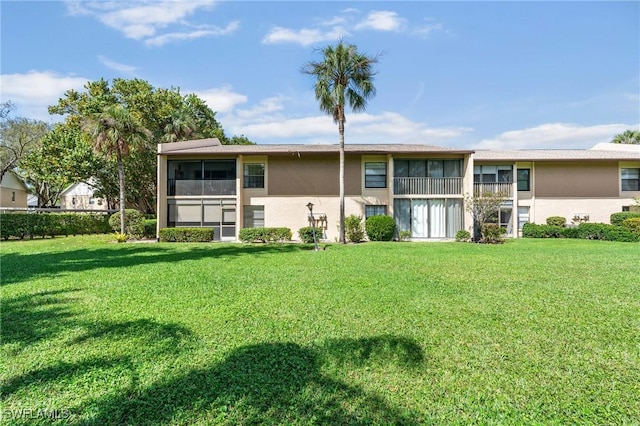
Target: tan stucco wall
{"type": "Point", "coordinates": [573, 179]}
{"type": "Point", "coordinates": [292, 212]}
{"type": "Point", "coordinates": [312, 175]}
{"type": "Point", "coordinates": [598, 209]}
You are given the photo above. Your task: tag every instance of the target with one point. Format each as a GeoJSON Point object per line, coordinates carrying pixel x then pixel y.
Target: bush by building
{"type": "Point", "coordinates": [265, 235]}
{"type": "Point", "coordinates": [186, 235]}
{"type": "Point", "coordinates": [380, 228]}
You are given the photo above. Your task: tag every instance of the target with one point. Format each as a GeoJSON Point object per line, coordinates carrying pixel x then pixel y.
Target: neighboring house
{"type": "Point", "coordinates": [13, 191]}
{"type": "Point", "coordinates": [81, 196]}
{"type": "Point", "coordinates": [228, 187]}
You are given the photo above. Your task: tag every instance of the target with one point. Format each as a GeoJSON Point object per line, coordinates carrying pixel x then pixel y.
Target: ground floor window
{"type": "Point", "coordinates": [374, 210]}
{"type": "Point", "coordinates": [429, 218]}
{"type": "Point", "coordinates": [523, 217]}
{"type": "Point", "coordinates": [253, 217]}
{"type": "Point", "coordinates": [216, 213]}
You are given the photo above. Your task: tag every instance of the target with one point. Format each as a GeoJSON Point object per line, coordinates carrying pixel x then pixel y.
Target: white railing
{"type": "Point", "coordinates": [505, 188]}
{"type": "Point", "coordinates": [427, 186]}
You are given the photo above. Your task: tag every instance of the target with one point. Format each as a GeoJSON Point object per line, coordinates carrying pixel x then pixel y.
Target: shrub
{"type": "Point", "coordinates": [557, 221]}
{"type": "Point", "coordinates": [354, 229]}
{"type": "Point", "coordinates": [150, 226]}
{"type": "Point", "coordinates": [492, 233]}
{"type": "Point", "coordinates": [404, 235]}
{"type": "Point", "coordinates": [570, 232]}
{"type": "Point", "coordinates": [133, 220]}
{"type": "Point", "coordinates": [265, 235]}
{"type": "Point", "coordinates": [531, 230]}
{"type": "Point", "coordinates": [619, 217]}
{"type": "Point", "coordinates": [633, 224]}
{"type": "Point", "coordinates": [121, 238]}
{"type": "Point", "coordinates": [186, 235]}
{"type": "Point", "coordinates": [306, 234]}
{"type": "Point", "coordinates": [463, 236]}
{"type": "Point", "coordinates": [21, 225]}
{"type": "Point", "coordinates": [380, 228]}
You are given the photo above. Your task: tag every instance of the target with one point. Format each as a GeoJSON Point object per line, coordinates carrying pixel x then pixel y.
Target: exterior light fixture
{"type": "Point", "coordinates": [313, 225]}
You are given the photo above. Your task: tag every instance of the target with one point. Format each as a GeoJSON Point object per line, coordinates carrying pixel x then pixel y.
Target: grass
{"type": "Point", "coordinates": [529, 332]}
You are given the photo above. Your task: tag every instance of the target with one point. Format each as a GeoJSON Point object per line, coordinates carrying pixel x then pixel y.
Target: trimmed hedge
{"type": "Point", "coordinates": [150, 226]}
{"type": "Point", "coordinates": [633, 224]}
{"type": "Point", "coordinates": [619, 217]}
{"type": "Point", "coordinates": [588, 231]}
{"type": "Point", "coordinates": [265, 235]}
{"type": "Point", "coordinates": [306, 234]}
{"type": "Point", "coordinates": [557, 221]}
{"type": "Point", "coordinates": [186, 235]}
{"type": "Point", "coordinates": [380, 228]}
{"type": "Point", "coordinates": [29, 225]}
{"type": "Point", "coordinates": [134, 223]}
{"type": "Point", "coordinates": [463, 236]}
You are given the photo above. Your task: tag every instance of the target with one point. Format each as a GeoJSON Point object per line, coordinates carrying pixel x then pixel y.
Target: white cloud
{"type": "Point", "coordinates": [116, 66]}
{"type": "Point", "coordinates": [263, 109]}
{"type": "Point", "coordinates": [382, 20]}
{"type": "Point", "coordinates": [222, 99]}
{"type": "Point", "coordinates": [146, 19]}
{"type": "Point", "coordinates": [34, 91]}
{"type": "Point", "coordinates": [191, 35]}
{"type": "Point", "coordinates": [426, 30]}
{"type": "Point", "coordinates": [554, 135]}
{"type": "Point", "coordinates": [304, 36]}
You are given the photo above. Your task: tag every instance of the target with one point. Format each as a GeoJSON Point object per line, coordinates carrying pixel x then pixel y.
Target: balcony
{"type": "Point", "coordinates": [182, 187]}
{"type": "Point", "coordinates": [427, 186]}
{"type": "Point", "coordinates": [505, 188]}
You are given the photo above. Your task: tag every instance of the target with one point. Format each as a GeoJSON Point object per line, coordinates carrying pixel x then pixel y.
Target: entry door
{"type": "Point", "coordinates": [419, 219]}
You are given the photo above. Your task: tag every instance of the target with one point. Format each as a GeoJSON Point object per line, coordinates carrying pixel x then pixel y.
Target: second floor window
{"type": "Point", "coordinates": [492, 174]}
{"type": "Point", "coordinates": [630, 179]}
{"type": "Point", "coordinates": [524, 183]}
{"type": "Point", "coordinates": [375, 175]}
{"type": "Point", "coordinates": [254, 175]}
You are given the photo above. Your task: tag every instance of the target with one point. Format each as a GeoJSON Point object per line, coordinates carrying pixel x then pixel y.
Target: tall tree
{"type": "Point", "coordinates": [166, 113]}
{"type": "Point", "coordinates": [61, 158]}
{"type": "Point", "coordinates": [627, 137]}
{"type": "Point", "coordinates": [18, 136]}
{"type": "Point", "coordinates": [343, 76]}
{"type": "Point", "coordinates": [116, 132]}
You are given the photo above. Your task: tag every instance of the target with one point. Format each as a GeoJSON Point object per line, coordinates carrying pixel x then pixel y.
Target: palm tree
{"type": "Point", "coordinates": [115, 132]}
{"type": "Point", "coordinates": [628, 137]}
{"type": "Point", "coordinates": [343, 76]}
{"type": "Point", "coordinates": [180, 126]}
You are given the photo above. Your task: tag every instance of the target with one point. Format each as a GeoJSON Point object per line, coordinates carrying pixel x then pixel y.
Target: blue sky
{"type": "Point", "coordinates": [497, 75]}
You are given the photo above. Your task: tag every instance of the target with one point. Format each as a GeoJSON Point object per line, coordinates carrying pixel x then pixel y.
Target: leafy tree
{"type": "Point", "coordinates": [62, 157]}
{"type": "Point", "coordinates": [627, 137]}
{"type": "Point", "coordinates": [343, 76]}
{"type": "Point", "coordinates": [166, 113]}
{"type": "Point", "coordinates": [483, 206]}
{"type": "Point", "coordinates": [116, 132]}
{"type": "Point", "coordinates": [18, 136]}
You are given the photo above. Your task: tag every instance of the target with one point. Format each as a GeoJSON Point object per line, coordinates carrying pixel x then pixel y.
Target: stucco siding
{"type": "Point", "coordinates": [598, 210]}
{"type": "Point", "coordinates": [573, 180]}
{"type": "Point", "coordinates": [312, 175]}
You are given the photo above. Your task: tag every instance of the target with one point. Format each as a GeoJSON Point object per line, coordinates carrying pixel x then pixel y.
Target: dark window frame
{"type": "Point", "coordinates": [253, 180]}
{"type": "Point", "coordinates": [375, 180]}
{"type": "Point", "coordinates": [524, 184]}
{"type": "Point", "coordinates": [630, 184]}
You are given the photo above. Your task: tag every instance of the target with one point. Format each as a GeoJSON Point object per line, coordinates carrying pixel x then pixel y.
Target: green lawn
{"type": "Point", "coordinates": [529, 332]}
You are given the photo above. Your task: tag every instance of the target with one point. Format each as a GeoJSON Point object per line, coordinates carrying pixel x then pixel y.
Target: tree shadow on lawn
{"type": "Point", "coordinates": [18, 267]}
{"type": "Point", "coordinates": [279, 382]}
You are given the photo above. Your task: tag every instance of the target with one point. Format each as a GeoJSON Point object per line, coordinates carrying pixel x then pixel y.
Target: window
{"type": "Point", "coordinates": [374, 210]}
{"type": "Point", "coordinates": [253, 217]}
{"type": "Point", "coordinates": [92, 200]}
{"type": "Point", "coordinates": [492, 174]}
{"type": "Point", "coordinates": [13, 195]}
{"type": "Point", "coordinates": [631, 179]}
{"type": "Point", "coordinates": [254, 175]}
{"type": "Point", "coordinates": [375, 175]}
{"type": "Point", "coordinates": [523, 180]}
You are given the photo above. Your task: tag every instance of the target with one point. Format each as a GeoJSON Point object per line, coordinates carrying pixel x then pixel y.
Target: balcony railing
{"type": "Point", "coordinates": [201, 187]}
{"type": "Point", "coordinates": [427, 186]}
{"type": "Point", "coordinates": [505, 188]}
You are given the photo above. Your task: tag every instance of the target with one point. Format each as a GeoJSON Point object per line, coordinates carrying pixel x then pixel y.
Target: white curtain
{"type": "Point", "coordinates": [454, 217]}
{"type": "Point", "coordinates": [437, 228]}
{"type": "Point", "coordinates": [419, 218]}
